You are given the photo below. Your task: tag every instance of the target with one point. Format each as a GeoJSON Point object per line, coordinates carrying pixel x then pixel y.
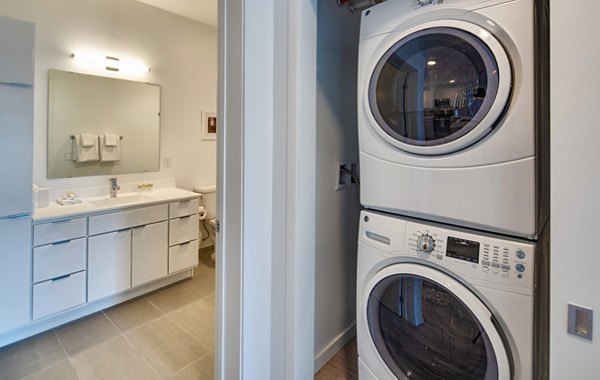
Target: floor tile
{"type": "Point", "coordinates": [202, 284]}
{"type": "Point", "coordinates": [30, 356]}
{"type": "Point", "coordinates": [63, 370]}
{"type": "Point", "coordinates": [173, 297]}
{"type": "Point", "coordinates": [132, 314]}
{"type": "Point", "coordinates": [202, 369]}
{"type": "Point", "coordinates": [112, 360]}
{"type": "Point", "coordinates": [198, 320]}
{"type": "Point", "coordinates": [166, 346]}
{"type": "Point", "coordinates": [83, 334]}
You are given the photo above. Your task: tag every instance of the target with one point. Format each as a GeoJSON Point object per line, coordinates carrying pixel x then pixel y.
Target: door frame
{"type": "Point", "coordinates": [266, 189]}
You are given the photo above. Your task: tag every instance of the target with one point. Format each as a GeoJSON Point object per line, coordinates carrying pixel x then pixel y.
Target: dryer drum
{"type": "Point", "coordinates": [434, 86]}
{"type": "Point", "coordinates": [423, 331]}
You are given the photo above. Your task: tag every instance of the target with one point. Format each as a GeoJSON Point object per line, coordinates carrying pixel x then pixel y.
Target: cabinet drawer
{"type": "Point", "coordinates": [58, 231]}
{"type": "Point", "coordinates": [182, 230]}
{"type": "Point", "coordinates": [60, 294]}
{"type": "Point", "coordinates": [50, 261]}
{"type": "Point", "coordinates": [184, 208]}
{"type": "Point", "coordinates": [126, 219]}
{"type": "Point", "coordinates": [183, 256]}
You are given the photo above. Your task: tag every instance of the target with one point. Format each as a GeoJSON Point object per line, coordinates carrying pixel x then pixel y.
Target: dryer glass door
{"type": "Point", "coordinates": [436, 86]}
{"type": "Point", "coordinates": [423, 330]}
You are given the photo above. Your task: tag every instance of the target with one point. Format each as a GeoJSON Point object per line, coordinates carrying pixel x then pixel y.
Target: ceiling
{"type": "Point", "coordinates": [204, 11]}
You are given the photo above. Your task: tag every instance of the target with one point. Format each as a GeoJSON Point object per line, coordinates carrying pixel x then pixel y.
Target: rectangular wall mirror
{"type": "Point", "coordinates": [100, 107]}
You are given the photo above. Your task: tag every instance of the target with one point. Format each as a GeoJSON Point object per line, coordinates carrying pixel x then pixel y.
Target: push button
{"type": "Point", "coordinates": [495, 265]}
{"type": "Point", "coordinates": [505, 267]}
{"type": "Point", "coordinates": [520, 268]}
{"type": "Point", "coordinates": [485, 263]}
{"type": "Point", "coordinates": [520, 254]}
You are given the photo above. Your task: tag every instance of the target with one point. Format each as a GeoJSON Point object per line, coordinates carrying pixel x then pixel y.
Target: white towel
{"type": "Point", "coordinates": [83, 153]}
{"type": "Point", "coordinates": [111, 139]}
{"type": "Point", "coordinates": [109, 153]}
{"type": "Point", "coordinates": [88, 140]}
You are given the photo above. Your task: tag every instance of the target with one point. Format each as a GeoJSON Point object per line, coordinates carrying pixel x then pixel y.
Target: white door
{"type": "Point", "coordinates": [149, 253]}
{"type": "Point", "coordinates": [424, 324]}
{"type": "Point", "coordinates": [15, 267]}
{"type": "Point", "coordinates": [16, 44]}
{"type": "Point", "coordinates": [439, 87]}
{"type": "Point", "coordinates": [109, 264]}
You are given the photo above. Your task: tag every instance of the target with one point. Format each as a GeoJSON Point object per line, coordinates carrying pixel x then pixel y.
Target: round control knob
{"type": "Point", "coordinates": [425, 243]}
{"type": "Point", "coordinates": [520, 254]}
{"type": "Point", "coordinates": [520, 268]}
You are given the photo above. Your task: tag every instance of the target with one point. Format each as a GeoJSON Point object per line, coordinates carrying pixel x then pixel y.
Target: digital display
{"type": "Point", "coordinates": [463, 249]}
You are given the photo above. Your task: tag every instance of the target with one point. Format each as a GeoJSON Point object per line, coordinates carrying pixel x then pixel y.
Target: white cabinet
{"type": "Point", "coordinates": [130, 257]}
{"type": "Point", "coordinates": [83, 259]}
{"type": "Point", "coordinates": [109, 264]}
{"type": "Point", "coordinates": [59, 263]}
{"type": "Point", "coordinates": [149, 253]}
{"type": "Point", "coordinates": [16, 45]}
{"type": "Point", "coordinates": [15, 264]}
{"type": "Point", "coordinates": [183, 235]}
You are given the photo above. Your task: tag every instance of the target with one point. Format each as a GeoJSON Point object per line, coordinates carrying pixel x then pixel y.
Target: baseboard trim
{"type": "Point", "coordinates": [334, 347]}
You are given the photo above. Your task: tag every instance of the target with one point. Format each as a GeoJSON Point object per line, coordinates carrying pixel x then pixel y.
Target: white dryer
{"type": "Point", "coordinates": [441, 303]}
{"type": "Point", "coordinates": [446, 112]}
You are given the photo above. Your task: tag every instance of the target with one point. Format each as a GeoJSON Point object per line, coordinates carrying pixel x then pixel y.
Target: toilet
{"type": "Point", "coordinates": [208, 210]}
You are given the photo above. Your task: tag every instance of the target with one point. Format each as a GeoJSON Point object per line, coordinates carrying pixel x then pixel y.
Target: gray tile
{"type": "Point", "coordinates": [203, 282]}
{"type": "Point", "coordinates": [30, 356]}
{"type": "Point", "coordinates": [63, 370]}
{"type": "Point", "coordinates": [198, 319]}
{"type": "Point", "coordinates": [132, 314]}
{"type": "Point", "coordinates": [202, 369]}
{"type": "Point", "coordinates": [173, 297]}
{"type": "Point", "coordinates": [113, 359]}
{"type": "Point", "coordinates": [166, 346]}
{"type": "Point", "coordinates": [85, 333]}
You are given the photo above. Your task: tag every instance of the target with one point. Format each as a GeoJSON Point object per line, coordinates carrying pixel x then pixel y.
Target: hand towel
{"type": "Point", "coordinates": [81, 153]}
{"type": "Point", "coordinates": [111, 139]}
{"type": "Point", "coordinates": [88, 140]}
{"type": "Point", "coordinates": [109, 153]}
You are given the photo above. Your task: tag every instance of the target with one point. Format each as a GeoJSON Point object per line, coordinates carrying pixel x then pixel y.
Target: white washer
{"type": "Point", "coordinates": [442, 303]}
{"type": "Point", "coordinates": [446, 112]}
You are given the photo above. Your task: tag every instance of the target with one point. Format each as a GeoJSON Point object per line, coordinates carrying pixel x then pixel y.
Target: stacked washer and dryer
{"type": "Point", "coordinates": [453, 181]}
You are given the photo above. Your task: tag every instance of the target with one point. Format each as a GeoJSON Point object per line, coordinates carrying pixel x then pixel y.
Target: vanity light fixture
{"type": "Point", "coordinates": [110, 63]}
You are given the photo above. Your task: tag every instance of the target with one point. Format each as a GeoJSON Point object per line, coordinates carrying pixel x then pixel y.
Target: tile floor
{"type": "Point", "coordinates": [167, 334]}
{"type": "Point", "coordinates": [343, 366]}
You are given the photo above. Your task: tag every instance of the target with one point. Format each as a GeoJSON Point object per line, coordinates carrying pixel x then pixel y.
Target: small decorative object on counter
{"type": "Point", "coordinates": [68, 199]}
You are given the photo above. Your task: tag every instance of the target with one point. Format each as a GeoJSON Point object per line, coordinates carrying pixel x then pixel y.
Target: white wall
{"type": "Point", "coordinates": [182, 55]}
{"type": "Point", "coordinates": [575, 183]}
{"type": "Point", "coordinates": [337, 212]}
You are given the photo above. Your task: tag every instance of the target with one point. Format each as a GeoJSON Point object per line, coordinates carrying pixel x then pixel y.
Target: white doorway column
{"type": "Point", "coordinates": [266, 184]}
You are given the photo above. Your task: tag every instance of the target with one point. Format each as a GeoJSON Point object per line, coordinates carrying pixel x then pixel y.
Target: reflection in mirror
{"type": "Point", "coordinates": [101, 126]}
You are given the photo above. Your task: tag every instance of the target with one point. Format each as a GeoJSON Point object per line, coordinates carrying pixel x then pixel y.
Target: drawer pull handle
{"type": "Point", "coordinates": [62, 242]}
{"type": "Point", "coordinates": [61, 221]}
{"type": "Point", "coordinates": [61, 277]}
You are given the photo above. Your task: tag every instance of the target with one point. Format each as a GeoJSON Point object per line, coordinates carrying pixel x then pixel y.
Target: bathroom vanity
{"type": "Point", "coordinates": [103, 251]}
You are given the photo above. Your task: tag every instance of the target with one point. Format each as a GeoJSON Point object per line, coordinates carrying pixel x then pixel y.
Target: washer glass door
{"type": "Point", "coordinates": [423, 330]}
{"type": "Point", "coordinates": [438, 85]}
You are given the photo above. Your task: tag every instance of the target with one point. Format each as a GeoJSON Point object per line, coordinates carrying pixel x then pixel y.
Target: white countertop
{"type": "Point", "coordinates": [104, 203]}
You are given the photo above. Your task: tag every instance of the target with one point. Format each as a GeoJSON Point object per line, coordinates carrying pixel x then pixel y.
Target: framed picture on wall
{"type": "Point", "coordinates": [209, 125]}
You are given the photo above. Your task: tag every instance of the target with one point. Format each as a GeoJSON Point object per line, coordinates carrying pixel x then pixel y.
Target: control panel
{"type": "Point", "coordinates": [481, 256]}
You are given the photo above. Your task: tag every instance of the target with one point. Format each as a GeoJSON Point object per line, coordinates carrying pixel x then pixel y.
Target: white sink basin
{"type": "Point", "coordinates": [120, 200]}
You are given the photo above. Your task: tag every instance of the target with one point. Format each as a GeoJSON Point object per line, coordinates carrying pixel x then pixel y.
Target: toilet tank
{"type": "Point", "coordinates": [208, 200]}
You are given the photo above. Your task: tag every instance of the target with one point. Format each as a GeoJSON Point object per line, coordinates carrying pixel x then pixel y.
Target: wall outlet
{"type": "Point", "coordinates": [346, 174]}
{"type": "Point", "coordinates": [167, 162]}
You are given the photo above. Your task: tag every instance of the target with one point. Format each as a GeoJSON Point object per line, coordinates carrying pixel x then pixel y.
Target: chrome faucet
{"type": "Point", "coordinates": [113, 187]}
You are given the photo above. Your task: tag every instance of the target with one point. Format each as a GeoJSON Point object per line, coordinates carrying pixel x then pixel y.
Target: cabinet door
{"type": "Point", "coordinates": [15, 266]}
{"type": "Point", "coordinates": [109, 264]}
{"type": "Point", "coordinates": [16, 148]}
{"type": "Point", "coordinates": [150, 253]}
{"type": "Point", "coordinates": [16, 44]}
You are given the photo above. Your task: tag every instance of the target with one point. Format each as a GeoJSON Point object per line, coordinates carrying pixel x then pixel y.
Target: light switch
{"type": "Point", "coordinates": [580, 321]}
